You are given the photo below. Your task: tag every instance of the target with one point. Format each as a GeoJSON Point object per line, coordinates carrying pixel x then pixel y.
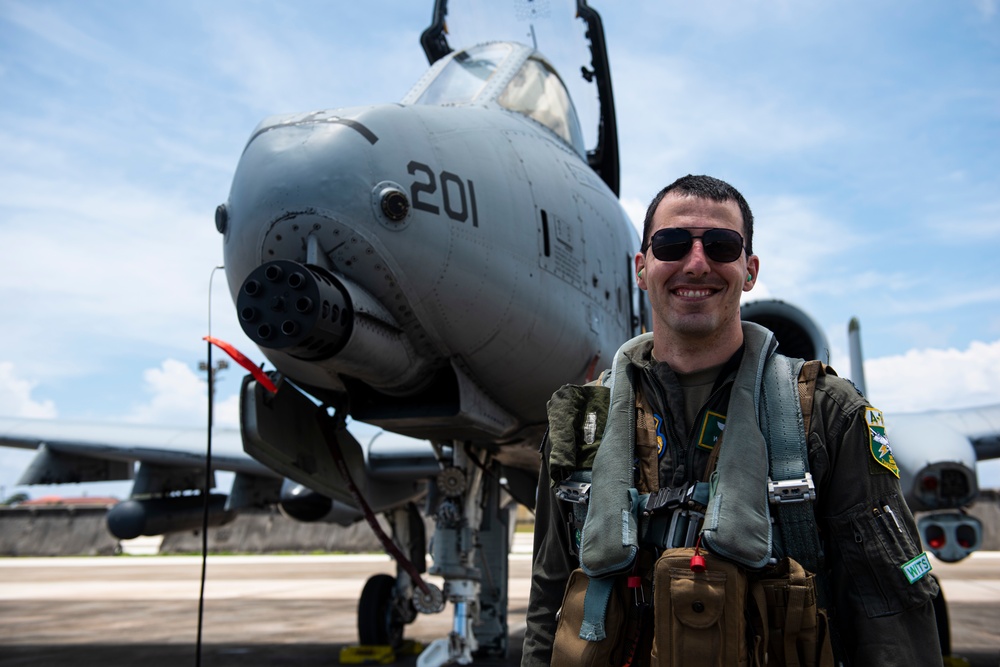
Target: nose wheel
{"type": "Point", "coordinates": [380, 617]}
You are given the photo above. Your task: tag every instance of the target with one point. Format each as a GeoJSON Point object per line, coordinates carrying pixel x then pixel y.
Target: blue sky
{"type": "Point", "coordinates": [866, 136]}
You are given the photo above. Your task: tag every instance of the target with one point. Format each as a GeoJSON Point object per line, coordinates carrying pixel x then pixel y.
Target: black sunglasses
{"type": "Point", "coordinates": [674, 243]}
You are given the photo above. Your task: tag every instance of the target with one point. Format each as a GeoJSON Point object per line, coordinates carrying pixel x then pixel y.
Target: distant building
{"type": "Point", "coordinates": [59, 501]}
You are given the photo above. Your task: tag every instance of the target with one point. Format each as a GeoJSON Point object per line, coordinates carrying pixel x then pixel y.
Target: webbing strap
{"type": "Point", "coordinates": [782, 422]}
{"type": "Point", "coordinates": [595, 607]}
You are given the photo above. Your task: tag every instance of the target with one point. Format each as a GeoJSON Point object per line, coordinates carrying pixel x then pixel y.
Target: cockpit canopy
{"type": "Point", "coordinates": [478, 74]}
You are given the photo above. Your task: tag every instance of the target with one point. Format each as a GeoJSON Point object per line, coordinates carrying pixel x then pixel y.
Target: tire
{"type": "Point", "coordinates": [379, 623]}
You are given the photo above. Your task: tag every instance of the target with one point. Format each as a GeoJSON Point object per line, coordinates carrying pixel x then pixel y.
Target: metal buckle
{"type": "Point", "coordinates": [666, 499]}
{"type": "Point", "coordinates": [791, 490]}
{"type": "Point", "coordinates": [577, 493]}
{"type": "Point", "coordinates": [684, 528]}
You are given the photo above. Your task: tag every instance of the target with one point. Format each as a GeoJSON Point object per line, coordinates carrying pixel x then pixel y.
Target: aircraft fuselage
{"type": "Point", "coordinates": [485, 248]}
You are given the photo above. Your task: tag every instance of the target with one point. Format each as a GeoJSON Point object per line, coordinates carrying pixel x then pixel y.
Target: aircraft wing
{"type": "Point", "coordinates": [980, 425]}
{"type": "Point", "coordinates": [390, 469]}
{"type": "Point", "coordinates": [171, 466]}
{"type": "Point", "coordinates": [76, 452]}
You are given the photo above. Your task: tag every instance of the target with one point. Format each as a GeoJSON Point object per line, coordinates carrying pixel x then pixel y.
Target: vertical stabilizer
{"type": "Point", "coordinates": [857, 359]}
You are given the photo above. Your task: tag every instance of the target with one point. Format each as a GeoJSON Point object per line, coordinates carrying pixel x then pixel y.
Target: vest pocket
{"type": "Point", "coordinates": [699, 616]}
{"type": "Point", "coordinates": [568, 649]}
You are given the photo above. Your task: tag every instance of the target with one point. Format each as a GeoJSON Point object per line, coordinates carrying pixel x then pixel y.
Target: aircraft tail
{"type": "Point", "coordinates": [857, 359]}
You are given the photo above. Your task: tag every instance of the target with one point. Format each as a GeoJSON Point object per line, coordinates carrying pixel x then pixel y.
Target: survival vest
{"type": "Point", "coordinates": [732, 603]}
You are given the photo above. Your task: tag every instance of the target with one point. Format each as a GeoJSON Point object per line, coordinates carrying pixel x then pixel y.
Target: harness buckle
{"type": "Point", "coordinates": [666, 499]}
{"type": "Point", "coordinates": [791, 490]}
{"type": "Point", "coordinates": [574, 492]}
{"type": "Point", "coordinates": [684, 528]}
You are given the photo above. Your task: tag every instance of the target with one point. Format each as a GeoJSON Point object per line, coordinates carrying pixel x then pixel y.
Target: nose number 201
{"type": "Point", "coordinates": [457, 197]}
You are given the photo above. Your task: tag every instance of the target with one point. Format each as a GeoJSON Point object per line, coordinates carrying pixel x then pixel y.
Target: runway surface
{"type": "Point", "coordinates": [292, 610]}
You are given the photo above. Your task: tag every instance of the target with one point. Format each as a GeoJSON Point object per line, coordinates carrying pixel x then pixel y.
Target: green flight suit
{"type": "Point", "coordinates": [877, 617]}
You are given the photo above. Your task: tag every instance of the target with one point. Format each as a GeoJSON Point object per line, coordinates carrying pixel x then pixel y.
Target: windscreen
{"type": "Point", "coordinates": [537, 92]}
{"type": "Point", "coordinates": [551, 27]}
{"type": "Point", "coordinates": [464, 76]}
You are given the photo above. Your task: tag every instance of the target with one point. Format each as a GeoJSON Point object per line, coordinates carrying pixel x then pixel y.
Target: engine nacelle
{"type": "Point", "coordinates": [155, 516]}
{"type": "Point", "coordinates": [918, 443]}
{"type": "Point", "coordinates": [798, 334]}
{"type": "Point", "coordinates": [950, 536]}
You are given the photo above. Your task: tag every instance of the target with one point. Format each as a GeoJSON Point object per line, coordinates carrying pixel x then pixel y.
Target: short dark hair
{"type": "Point", "coordinates": [704, 187]}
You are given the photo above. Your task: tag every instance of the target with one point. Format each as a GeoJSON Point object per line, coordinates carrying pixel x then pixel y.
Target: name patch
{"type": "Point", "coordinates": [916, 568]}
{"type": "Point", "coordinates": [711, 430]}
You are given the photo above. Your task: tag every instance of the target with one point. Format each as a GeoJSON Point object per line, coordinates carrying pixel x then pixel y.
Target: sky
{"type": "Point", "coordinates": [865, 135]}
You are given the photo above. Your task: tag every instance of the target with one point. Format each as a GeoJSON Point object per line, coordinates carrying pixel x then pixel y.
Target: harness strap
{"type": "Point", "coordinates": [782, 419]}
{"type": "Point", "coordinates": [794, 613]}
{"type": "Point", "coordinates": [760, 601]}
{"type": "Point", "coordinates": [807, 389]}
{"type": "Point", "coordinates": [595, 604]}
{"type": "Point", "coordinates": [595, 607]}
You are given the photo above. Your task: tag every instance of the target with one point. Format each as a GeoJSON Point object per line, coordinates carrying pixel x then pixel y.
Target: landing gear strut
{"type": "Point", "coordinates": [470, 548]}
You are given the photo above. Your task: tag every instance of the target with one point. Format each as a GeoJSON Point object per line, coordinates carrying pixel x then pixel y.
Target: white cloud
{"type": "Point", "coordinates": [46, 24]}
{"type": "Point", "coordinates": [696, 118]}
{"type": "Point", "coordinates": [133, 265]}
{"type": "Point", "coordinates": [636, 210]}
{"type": "Point", "coordinates": [272, 74]}
{"type": "Point", "coordinates": [931, 379]}
{"type": "Point", "coordinates": [179, 396]}
{"type": "Point", "coordinates": [15, 396]}
{"type": "Point", "coordinates": [987, 8]}
{"type": "Point", "coordinates": [796, 244]}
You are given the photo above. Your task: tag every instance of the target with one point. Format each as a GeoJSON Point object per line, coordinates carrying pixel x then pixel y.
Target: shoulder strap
{"type": "Point", "coordinates": [807, 388]}
{"type": "Point", "coordinates": [785, 408]}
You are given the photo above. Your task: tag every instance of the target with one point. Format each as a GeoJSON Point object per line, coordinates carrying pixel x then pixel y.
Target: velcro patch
{"type": "Point", "coordinates": [661, 439]}
{"type": "Point", "coordinates": [916, 568]}
{"type": "Point", "coordinates": [711, 430]}
{"type": "Point", "coordinates": [879, 442]}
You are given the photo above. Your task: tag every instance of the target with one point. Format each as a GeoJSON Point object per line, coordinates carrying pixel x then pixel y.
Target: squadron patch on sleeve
{"type": "Point", "coordinates": [879, 442]}
{"type": "Point", "coordinates": [711, 429]}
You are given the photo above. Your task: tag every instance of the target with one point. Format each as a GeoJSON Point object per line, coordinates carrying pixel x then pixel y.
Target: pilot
{"type": "Point", "coordinates": [696, 260]}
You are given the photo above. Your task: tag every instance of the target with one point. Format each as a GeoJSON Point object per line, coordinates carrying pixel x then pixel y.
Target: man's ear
{"type": "Point", "coordinates": [753, 270]}
{"type": "Point", "coordinates": [640, 265]}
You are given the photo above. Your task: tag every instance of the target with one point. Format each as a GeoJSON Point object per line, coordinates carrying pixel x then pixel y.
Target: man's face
{"type": "Point", "coordinates": [696, 297]}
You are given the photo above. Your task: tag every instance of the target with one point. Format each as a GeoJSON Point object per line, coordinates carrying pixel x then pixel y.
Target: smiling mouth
{"type": "Point", "coordinates": [690, 293]}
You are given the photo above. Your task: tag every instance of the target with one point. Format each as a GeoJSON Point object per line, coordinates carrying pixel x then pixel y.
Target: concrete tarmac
{"type": "Point", "coordinates": [293, 610]}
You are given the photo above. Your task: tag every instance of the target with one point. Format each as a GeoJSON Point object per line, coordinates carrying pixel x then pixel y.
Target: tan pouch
{"type": "Point", "coordinates": [568, 650]}
{"type": "Point", "coordinates": [795, 633]}
{"type": "Point", "coordinates": [700, 617]}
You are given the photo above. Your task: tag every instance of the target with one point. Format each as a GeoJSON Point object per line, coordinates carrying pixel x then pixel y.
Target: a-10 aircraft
{"type": "Point", "coordinates": [437, 268]}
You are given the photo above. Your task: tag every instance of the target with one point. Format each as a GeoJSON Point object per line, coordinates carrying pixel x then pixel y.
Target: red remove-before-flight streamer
{"type": "Point", "coordinates": [243, 361]}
